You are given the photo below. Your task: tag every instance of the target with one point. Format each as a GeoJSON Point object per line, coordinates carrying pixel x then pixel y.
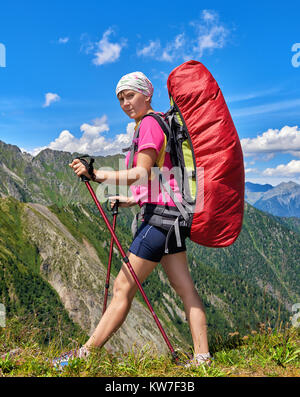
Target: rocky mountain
{"type": "Point", "coordinates": [281, 200]}
{"type": "Point", "coordinates": [254, 191]}
{"type": "Point", "coordinates": [51, 236]}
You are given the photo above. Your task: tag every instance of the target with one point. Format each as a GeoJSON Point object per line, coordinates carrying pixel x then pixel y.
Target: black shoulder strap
{"type": "Point", "coordinates": [164, 126]}
{"type": "Point", "coordinates": [161, 121]}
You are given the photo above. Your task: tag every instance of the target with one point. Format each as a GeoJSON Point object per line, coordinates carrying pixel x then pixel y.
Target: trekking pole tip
{"type": "Point", "coordinates": [175, 356]}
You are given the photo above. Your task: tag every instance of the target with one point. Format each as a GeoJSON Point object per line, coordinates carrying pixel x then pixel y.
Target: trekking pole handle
{"type": "Point", "coordinates": [115, 207]}
{"type": "Point", "coordinates": [84, 178]}
{"type": "Point", "coordinates": [87, 166]}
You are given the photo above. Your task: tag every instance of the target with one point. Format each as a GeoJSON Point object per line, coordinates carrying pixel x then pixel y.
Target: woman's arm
{"type": "Point", "coordinates": [141, 173]}
{"type": "Point", "coordinates": [124, 201]}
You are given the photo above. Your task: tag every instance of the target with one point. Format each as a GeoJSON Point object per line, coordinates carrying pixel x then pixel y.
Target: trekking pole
{"type": "Point", "coordinates": [114, 213]}
{"type": "Point", "coordinates": [127, 262]}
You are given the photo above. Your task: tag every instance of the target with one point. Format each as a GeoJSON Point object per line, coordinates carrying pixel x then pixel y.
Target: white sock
{"type": "Point", "coordinates": [202, 357]}
{"type": "Point", "coordinates": [83, 352]}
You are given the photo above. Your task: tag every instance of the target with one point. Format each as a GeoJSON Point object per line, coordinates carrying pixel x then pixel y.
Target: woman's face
{"type": "Point", "coordinates": [134, 104]}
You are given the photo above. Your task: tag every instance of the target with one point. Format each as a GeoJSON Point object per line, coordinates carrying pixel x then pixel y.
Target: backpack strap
{"type": "Point", "coordinates": [165, 184]}
{"type": "Point", "coordinates": [163, 125]}
{"type": "Point", "coordinates": [176, 228]}
{"type": "Point", "coordinates": [134, 145]}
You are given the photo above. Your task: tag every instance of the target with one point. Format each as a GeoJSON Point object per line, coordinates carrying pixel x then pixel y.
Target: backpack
{"type": "Point", "coordinates": [206, 154]}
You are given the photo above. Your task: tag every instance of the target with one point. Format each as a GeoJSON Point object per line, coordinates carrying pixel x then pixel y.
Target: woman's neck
{"type": "Point", "coordinates": [147, 112]}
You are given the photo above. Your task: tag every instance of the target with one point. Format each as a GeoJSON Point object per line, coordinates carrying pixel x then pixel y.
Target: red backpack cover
{"type": "Point", "coordinates": [217, 151]}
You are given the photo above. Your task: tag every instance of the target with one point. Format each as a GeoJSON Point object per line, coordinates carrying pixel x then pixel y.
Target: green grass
{"type": "Point", "coordinates": [266, 352]}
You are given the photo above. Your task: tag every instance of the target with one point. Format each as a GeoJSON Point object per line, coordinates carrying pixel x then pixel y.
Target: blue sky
{"type": "Point", "coordinates": [61, 60]}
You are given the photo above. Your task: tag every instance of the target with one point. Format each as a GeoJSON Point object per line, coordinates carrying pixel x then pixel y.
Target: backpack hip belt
{"type": "Point", "coordinates": [164, 217]}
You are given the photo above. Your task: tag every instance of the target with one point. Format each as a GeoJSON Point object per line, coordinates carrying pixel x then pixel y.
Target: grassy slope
{"type": "Point", "coordinates": [264, 353]}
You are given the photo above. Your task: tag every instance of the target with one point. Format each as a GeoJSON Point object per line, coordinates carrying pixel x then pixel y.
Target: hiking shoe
{"type": "Point", "coordinates": [198, 360]}
{"type": "Point", "coordinates": [65, 358]}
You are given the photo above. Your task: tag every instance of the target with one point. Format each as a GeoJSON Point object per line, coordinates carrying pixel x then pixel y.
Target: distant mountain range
{"type": "Point", "coordinates": [281, 200]}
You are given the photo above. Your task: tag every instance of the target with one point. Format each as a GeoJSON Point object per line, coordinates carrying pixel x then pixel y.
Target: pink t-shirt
{"type": "Point", "coordinates": [152, 136]}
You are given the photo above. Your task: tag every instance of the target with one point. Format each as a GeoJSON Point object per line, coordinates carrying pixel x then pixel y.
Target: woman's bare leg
{"type": "Point", "coordinates": [123, 293]}
{"type": "Point", "coordinates": [176, 268]}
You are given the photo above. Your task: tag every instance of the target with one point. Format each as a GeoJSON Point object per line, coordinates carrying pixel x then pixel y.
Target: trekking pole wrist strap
{"type": "Point", "coordinates": [89, 166]}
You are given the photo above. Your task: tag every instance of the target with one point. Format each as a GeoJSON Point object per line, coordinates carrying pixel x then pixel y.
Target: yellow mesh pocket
{"type": "Point", "coordinates": [189, 165]}
{"type": "Point", "coordinates": [162, 153]}
{"type": "Point", "coordinates": [188, 159]}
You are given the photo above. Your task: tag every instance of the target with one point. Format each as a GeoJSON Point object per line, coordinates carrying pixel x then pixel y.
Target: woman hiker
{"type": "Point", "coordinates": [134, 92]}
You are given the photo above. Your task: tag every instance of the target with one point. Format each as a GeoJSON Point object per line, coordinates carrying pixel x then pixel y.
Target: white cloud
{"type": "Point", "coordinates": [211, 33]}
{"type": "Point", "coordinates": [287, 170]}
{"type": "Point", "coordinates": [268, 144]}
{"type": "Point", "coordinates": [106, 51]}
{"type": "Point", "coordinates": [49, 98]}
{"type": "Point", "coordinates": [208, 35]}
{"type": "Point", "coordinates": [248, 170]}
{"type": "Point", "coordinates": [209, 15]}
{"type": "Point", "coordinates": [121, 141]}
{"type": "Point", "coordinates": [166, 56]}
{"type": "Point", "coordinates": [168, 53]}
{"type": "Point", "coordinates": [86, 43]}
{"type": "Point", "coordinates": [286, 140]}
{"type": "Point", "coordinates": [172, 49]}
{"type": "Point", "coordinates": [210, 38]}
{"type": "Point", "coordinates": [179, 41]}
{"type": "Point", "coordinates": [92, 141]}
{"type": "Point", "coordinates": [63, 40]}
{"type": "Point", "coordinates": [150, 50]}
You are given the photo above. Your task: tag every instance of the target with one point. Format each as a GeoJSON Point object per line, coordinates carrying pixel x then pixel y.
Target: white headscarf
{"type": "Point", "coordinates": [135, 81]}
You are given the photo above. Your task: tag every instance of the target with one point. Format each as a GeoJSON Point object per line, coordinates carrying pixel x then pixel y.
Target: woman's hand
{"type": "Point", "coordinates": [79, 168]}
{"type": "Point", "coordinates": [124, 201]}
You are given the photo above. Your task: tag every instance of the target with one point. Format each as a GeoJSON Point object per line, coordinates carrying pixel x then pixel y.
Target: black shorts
{"type": "Point", "coordinates": [149, 243]}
